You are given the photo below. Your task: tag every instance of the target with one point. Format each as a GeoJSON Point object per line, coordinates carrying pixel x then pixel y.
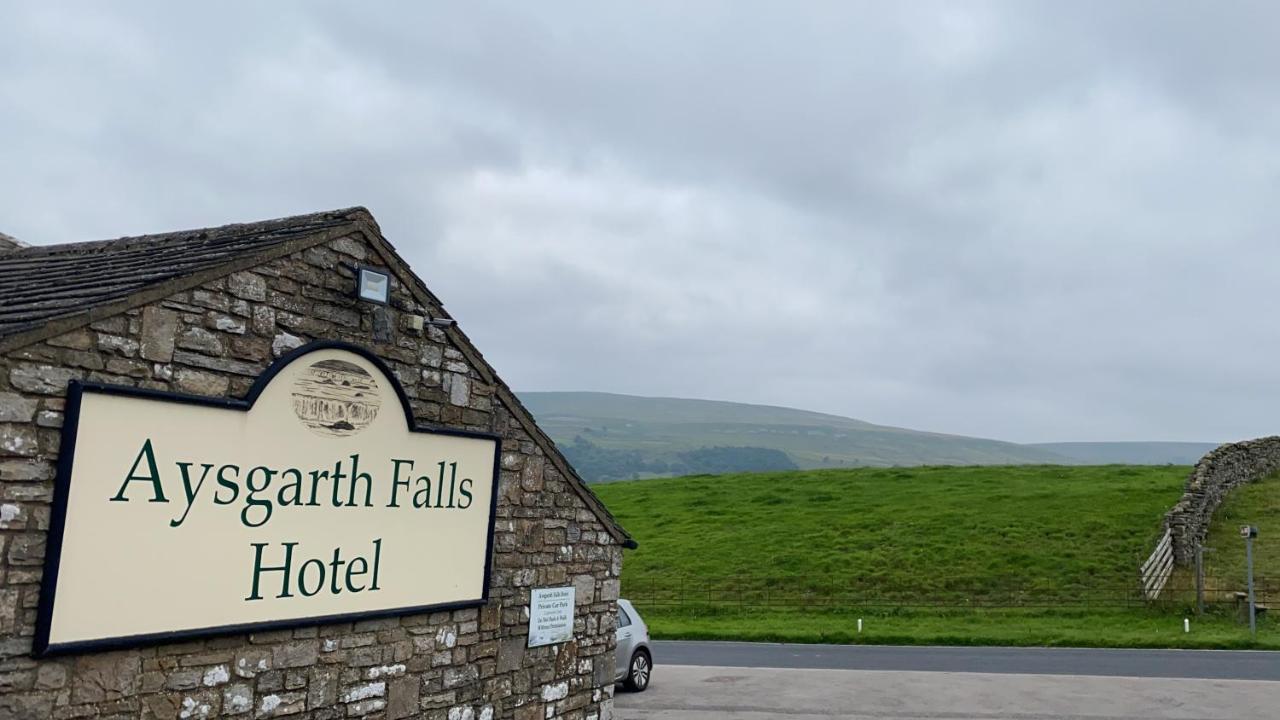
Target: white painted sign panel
{"type": "Point", "coordinates": [315, 499]}
{"type": "Point", "coordinates": [550, 616]}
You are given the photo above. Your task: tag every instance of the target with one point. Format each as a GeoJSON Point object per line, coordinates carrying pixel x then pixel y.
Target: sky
{"type": "Point", "coordinates": [1028, 221]}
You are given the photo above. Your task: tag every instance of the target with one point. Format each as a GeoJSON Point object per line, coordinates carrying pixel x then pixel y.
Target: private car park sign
{"type": "Point", "coordinates": [315, 499]}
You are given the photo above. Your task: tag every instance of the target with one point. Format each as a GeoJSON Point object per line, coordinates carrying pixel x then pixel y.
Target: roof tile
{"type": "Point", "coordinates": [41, 283]}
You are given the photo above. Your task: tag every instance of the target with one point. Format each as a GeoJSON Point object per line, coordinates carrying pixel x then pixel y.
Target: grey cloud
{"type": "Point", "coordinates": [1034, 221]}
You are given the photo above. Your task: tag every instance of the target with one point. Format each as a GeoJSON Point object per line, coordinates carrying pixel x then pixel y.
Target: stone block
{"type": "Point", "coordinates": [402, 698]}
{"type": "Point", "coordinates": [227, 324]}
{"type": "Point", "coordinates": [220, 364]}
{"type": "Point", "coordinates": [365, 707]}
{"type": "Point", "coordinates": [264, 320]}
{"type": "Point", "coordinates": [18, 440]}
{"type": "Point", "coordinates": [198, 382]}
{"type": "Point", "coordinates": [50, 676]}
{"type": "Point", "coordinates": [284, 342]}
{"type": "Point", "coordinates": [27, 549]}
{"type": "Point", "coordinates": [118, 344]}
{"type": "Point", "coordinates": [350, 246]}
{"type": "Point", "coordinates": [322, 689]}
{"type": "Point", "coordinates": [237, 699]}
{"type": "Point", "coordinates": [159, 331]}
{"type": "Point", "coordinates": [42, 379]}
{"type": "Point", "coordinates": [281, 704]}
{"type": "Point", "coordinates": [104, 677]}
{"type": "Point", "coordinates": [26, 706]}
{"type": "Point", "coordinates": [16, 408]}
{"type": "Point", "coordinates": [459, 388]}
{"type": "Point", "coordinates": [295, 654]}
{"type": "Point", "coordinates": [211, 300]}
{"type": "Point", "coordinates": [247, 286]}
{"type": "Point", "coordinates": [251, 661]}
{"type": "Point", "coordinates": [197, 338]}
{"type": "Point", "coordinates": [80, 339]}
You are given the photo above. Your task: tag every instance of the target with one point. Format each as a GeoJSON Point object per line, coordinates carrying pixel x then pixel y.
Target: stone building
{"type": "Point", "coordinates": [206, 313]}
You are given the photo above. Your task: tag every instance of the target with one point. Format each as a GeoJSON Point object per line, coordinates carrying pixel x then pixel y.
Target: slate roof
{"type": "Point", "coordinates": [45, 290]}
{"type": "Point", "coordinates": [41, 283]}
{"type": "Point", "coordinates": [8, 242]}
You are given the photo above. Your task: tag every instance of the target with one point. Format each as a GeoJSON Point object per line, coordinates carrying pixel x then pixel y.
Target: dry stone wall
{"type": "Point", "coordinates": [1223, 469]}
{"type": "Point", "coordinates": [214, 340]}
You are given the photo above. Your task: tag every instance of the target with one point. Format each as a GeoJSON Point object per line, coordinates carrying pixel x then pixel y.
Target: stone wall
{"type": "Point", "coordinates": [1217, 473]}
{"type": "Point", "coordinates": [214, 340]}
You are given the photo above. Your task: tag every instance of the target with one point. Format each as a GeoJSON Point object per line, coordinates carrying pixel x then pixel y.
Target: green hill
{"type": "Point", "coordinates": [1015, 555]}
{"type": "Point", "coordinates": [921, 530]}
{"type": "Point", "coordinates": [610, 437]}
{"type": "Point", "coordinates": [1256, 504]}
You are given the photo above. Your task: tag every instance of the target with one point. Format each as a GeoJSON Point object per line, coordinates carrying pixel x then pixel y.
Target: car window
{"type": "Point", "coordinates": [623, 618]}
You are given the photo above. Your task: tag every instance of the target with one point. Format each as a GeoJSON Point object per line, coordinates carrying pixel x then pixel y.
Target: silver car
{"type": "Point", "coordinates": [634, 659]}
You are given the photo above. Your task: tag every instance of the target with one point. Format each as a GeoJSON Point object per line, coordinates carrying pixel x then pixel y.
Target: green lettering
{"type": "Point", "coordinates": [252, 500]}
{"type": "Point", "coordinates": [192, 492]}
{"type": "Point", "coordinates": [316, 476]}
{"type": "Point", "coordinates": [338, 477]}
{"type": "Point", "coordinates": [302, 577]}
{"type": "Point", "coordinates": [353, 573]}
{"type": "Point", "coordinates": [357, 476]}
{"type": "Point", "coordinates": [152, 477]}
{"type": "Point", "coordinates": [222, 483]}
{"type": "Point", "coordinates": [333, 567]}
{"type": "Point", "coordinates": [294, 488]}
{"type": "Point", "coordinates": [258, 569]}
{"type": "Point", "coordinates": [422, 496]}
{"type": "Point", "coordinates": [464, 489]}
{"type": "Point", "coordinates": [396, 482]}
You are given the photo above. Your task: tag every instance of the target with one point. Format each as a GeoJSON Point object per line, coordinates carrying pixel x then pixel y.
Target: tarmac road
{"type": "Point", "coordinates": [1208, 664]}
{"type": "Point", "coordinates": [749, 681]}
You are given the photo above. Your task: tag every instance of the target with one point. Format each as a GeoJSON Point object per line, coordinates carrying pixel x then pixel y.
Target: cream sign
{"type": "Point", "coordinates": [314, 500]}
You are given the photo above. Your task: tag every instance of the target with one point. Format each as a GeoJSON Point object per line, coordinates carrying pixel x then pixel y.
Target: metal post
{"type": "Point", "coordinates": [1248, 554]}
{"type": "Point", "coordinates": [1199, 580]}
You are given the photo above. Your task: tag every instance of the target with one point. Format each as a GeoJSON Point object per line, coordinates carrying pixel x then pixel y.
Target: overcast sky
{"type": "Point", "coordinates": [1026, 221]}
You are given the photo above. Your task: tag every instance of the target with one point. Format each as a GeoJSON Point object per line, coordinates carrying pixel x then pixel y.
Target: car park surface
{"type": "Point", "coordinates": [732, 693]}
{"type": "Point", "coordinates": [755, 681]}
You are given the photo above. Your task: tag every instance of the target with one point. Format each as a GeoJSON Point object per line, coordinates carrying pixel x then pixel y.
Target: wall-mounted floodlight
{"type": "Point", "coordinates": [373, 285]}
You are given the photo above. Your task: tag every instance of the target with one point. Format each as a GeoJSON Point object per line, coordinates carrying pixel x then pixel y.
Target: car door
{"type": "Point", "coordinates": [622, 656]}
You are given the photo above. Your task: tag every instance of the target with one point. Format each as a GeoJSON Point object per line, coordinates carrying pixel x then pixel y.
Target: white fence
{"type": "Point", "coordinates": [1156, 570]}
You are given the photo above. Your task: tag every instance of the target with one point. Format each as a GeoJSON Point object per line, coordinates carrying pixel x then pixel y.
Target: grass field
{"type": "Point", "coordinates": [1257, 504]}
{"type": "Point", "coordinates": [822, 543]}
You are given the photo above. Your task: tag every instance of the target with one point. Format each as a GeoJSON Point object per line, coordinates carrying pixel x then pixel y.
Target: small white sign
{"type": "Point", "coordinates": [550, 616]}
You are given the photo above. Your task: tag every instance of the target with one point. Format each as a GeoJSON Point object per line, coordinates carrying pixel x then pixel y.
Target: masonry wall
{"type": "Point", "coordinates": [1222, 470]}
{"type": "Point", "coordinates": [214, 340]}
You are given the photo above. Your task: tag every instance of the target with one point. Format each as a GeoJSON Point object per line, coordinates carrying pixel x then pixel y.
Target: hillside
{"type": "Point", "coordinates": [1256, 504]}
{"type": "Point", "coordinates": [609, 437]}
{"type": "Point", "coordinates": [1130, 453]}
{"type": "Point", "coordinates": [1015, 555]}
{"type": "Point", "coordinates": [924, 529]}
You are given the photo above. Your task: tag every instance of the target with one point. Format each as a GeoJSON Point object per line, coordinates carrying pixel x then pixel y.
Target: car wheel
{"type": "Point", "coordinates": [639, 672]}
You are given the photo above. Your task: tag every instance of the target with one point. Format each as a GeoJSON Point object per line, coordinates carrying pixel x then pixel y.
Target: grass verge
{"type": "Point", "coordinates": [1026, 628]}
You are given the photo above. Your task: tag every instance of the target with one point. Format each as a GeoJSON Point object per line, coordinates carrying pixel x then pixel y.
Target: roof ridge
{"type": "Point", "coordinates": [304, 222]}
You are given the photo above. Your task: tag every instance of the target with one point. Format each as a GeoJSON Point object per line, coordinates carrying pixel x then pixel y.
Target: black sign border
{"type": "Point", "coordinates": [62, 488]}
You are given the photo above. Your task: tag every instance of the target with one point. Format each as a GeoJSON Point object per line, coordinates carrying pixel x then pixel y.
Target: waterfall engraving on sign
{"type": "Point", "coordinates": [335, 398]}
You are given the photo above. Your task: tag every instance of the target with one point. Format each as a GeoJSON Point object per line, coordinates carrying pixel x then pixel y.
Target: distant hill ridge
{"type": "Point", "coordinates": [608, 436]}
{"type": "Point", "coordinates": [1130, 453]}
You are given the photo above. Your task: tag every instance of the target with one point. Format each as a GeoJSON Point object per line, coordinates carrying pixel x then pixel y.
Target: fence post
{"type": "Point", "coordinates": [1199, 580]}
{"type": "Point", "coordinates": [1248, 552]}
